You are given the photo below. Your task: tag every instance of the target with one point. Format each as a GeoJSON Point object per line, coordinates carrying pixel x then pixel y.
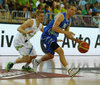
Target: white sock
{"type": "Point", "coordinates": [39, 60]}
{"type": "Point", "coordinates": [67, 67]}
{"type": "Point", "coordinates": [14, 62]}
{"type": "Point", "coordinates": [26, 65]}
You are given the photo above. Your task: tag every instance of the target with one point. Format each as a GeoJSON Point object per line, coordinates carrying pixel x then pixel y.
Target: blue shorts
{"type": "Point", "coordinates": [47, 40]}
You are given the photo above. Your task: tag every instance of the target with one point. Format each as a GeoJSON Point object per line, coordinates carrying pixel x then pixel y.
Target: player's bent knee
{"type": "Point", "coordinates": [33, 57]}
{"type": "Point", "coordinates": [51, 56]}
{"type": "Point", "coordinates": [26, 58]}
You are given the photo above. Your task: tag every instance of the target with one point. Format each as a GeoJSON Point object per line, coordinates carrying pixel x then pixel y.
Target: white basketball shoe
{"type": "Point", "coordinates": [35, 65]}
{"type": "Point", "coordinates": [72, 73]}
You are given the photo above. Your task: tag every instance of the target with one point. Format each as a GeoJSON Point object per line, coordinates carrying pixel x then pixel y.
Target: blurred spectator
{"type": "Point", "coordinates": [89, 13]}
{"type": "Point", "coordinates": [33, 5]}
{"type": "Point", "coordinates": [84, 11]}
{"type": "Point", "coordinates": [77, 6]}
{"type": "Point", "coordinates": [77, 2]}
{"type": "Point", "coordinates": [63, 3]}
{"type": "Point", "coordinates": [37, 3]}
{"type": "Point", "coordinates": [95, 19]}
{"type": "Point", "coordinates": [1, 4]}
{"type": "Point", "coordinates": [42, 3]}
{"type": "Point", "coordinates": [80, 8]}
{"type": "Point", "coordinates": [95, 7]}
{"type": "Point", "coordinates": [24, 5]}
{"type": "Point", "coordinates": [4, 5]}
{"type": "Point", "coordinates": [49, 2]}
{"type": "Point", "coordinates": [47, 16]}
{"type": "Point", "coordinates": [78, 20]}
{"type": "Point", "coordinates": [98, 1]}
{"type": "Point", "coordinates": [88, 19]}
{"type": "Point", "coordinates": [91, 7]}
{"type": "Point", "coordinates": [12, 4]}
{"type": "Point", "coordinates": [58, 8]}
{"type": "Point", "coordinates": [40, 7]}
{"type": "Point", "coordinates": [99, 7]}
{"type": "Point", "coordinates": [83, 2]}
{"type": "Point", "coordinates": [95, 10]}
{"type": "Point", "coordinates": [92, 1]}
{"type": "Point", "coordinates": [65, 8]}
{"type": "Point", "coordinates": [55, 2]}
{"type": "Point", "coordinates": [72, 2]}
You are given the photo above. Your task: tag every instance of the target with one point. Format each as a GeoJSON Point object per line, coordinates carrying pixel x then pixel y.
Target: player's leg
{"type": "Point", "coordinates": [18, 60]}
{"type": "Point", "coordinates": [50, 53]}
{"type": "Point", "coordinates": [33, 55]}
{"type": "Point", "coordinates": [26, 67]}
{"type": "Point", "coordinates": [56, 48]}
{"type": "Point", "coordinates": [60, 51]}
{"type": "Point", "coordinates": [24, 52]}
{"type": "Point", "coordinates": [23, 59]}
{"type": "Point", "coordinates": [45, 57]}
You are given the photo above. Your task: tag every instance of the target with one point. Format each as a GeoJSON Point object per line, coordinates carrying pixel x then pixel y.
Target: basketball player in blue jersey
{"type": "Point", "coordinates": [49, 38]}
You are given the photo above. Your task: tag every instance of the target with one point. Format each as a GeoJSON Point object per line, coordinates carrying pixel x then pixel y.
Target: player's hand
{"type": "Point", "coordinates": [59, 40]}
{"type": "Point", "coordinates": [30, 31]}
{"type": "Point", "coordinates": [78, 41]}
{"type": "Point", "coordinates": [70, 35]}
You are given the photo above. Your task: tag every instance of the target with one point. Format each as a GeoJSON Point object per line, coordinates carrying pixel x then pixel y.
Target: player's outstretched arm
{"type": "Point", "coordinates": [26, 24]}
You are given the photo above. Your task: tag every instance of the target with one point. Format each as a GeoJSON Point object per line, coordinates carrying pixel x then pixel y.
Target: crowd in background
{"type": "Point", "coordinates": [84, 7]}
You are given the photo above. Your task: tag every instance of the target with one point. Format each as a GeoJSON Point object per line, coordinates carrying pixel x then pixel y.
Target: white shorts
{"type": "Point", "coordinates": [25, 48]}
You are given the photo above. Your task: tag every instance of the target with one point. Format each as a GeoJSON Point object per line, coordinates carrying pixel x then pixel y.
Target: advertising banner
{"type": "Point", "coordinates": [90, 35]}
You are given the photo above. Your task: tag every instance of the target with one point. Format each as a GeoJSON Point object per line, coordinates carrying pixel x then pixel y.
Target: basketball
{"type": "Point", "coordinates": [83, 47]}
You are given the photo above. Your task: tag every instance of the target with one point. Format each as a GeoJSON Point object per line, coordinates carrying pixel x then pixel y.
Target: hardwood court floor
{"type": "Point", "coordinates": [88, 77]}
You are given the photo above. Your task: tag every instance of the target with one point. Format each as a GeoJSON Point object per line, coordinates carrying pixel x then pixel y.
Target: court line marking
{"type": "Point", "coordinates": [7, 76]}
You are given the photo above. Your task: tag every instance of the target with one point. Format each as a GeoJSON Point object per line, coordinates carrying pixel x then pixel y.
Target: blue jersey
{"type": "Point", "coordinates": [63, 25]}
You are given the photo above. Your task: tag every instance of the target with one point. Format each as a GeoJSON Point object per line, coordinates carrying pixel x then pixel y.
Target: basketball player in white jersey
{"type": "Point", "coordinates": [22, 41]}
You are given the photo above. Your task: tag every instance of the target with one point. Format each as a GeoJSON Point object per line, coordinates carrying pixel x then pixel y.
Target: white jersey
{"type": "Point", "coordinates": [21, 38]}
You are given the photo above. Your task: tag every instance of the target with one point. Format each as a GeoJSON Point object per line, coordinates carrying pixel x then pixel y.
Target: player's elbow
{"type": "Point", "coordinates": [19, 28]}
{"type": "Point", "coordinates": [54, 28]}
{"type": "Point", "coordinates": [42, 30]}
